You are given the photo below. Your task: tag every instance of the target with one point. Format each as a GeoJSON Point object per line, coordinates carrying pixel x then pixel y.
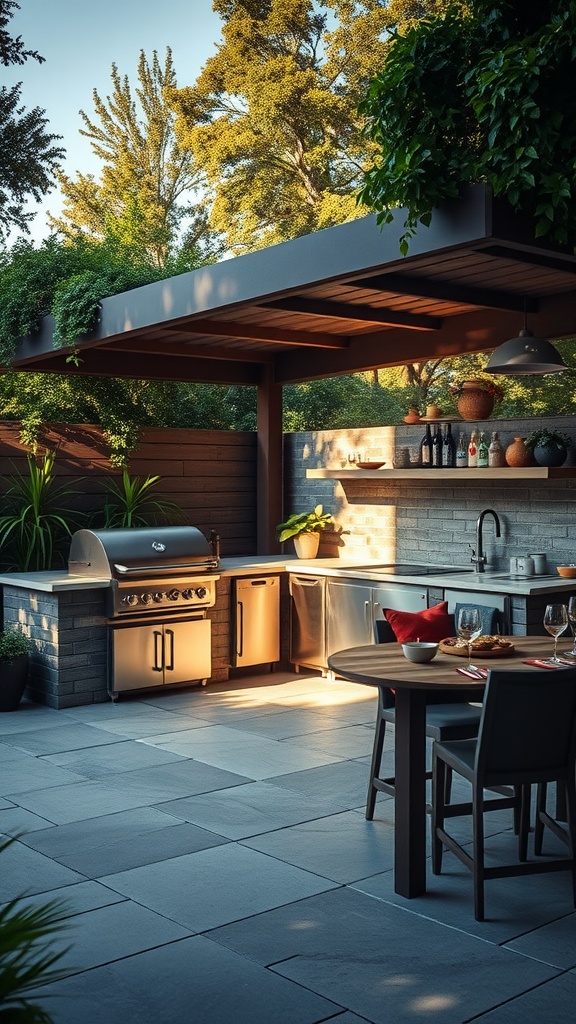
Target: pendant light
{"type": "Point", "coordinates": [525, 354]}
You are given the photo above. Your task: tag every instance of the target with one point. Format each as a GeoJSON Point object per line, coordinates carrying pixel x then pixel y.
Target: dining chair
{"type": "Point", "coordinates": [511, 750]}
{"type": "Point", "coordinates": [446, 719]}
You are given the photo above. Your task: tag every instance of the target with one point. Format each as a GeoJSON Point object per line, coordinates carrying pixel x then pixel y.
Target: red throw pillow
{"type": "Point", "coordinates": [432, 625]}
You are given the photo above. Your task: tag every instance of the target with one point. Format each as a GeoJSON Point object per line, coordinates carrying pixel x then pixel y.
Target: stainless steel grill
{"type": "Point", "coordinates": [150, 569]}
{"type": "Point", "coordinates": [161, 581]}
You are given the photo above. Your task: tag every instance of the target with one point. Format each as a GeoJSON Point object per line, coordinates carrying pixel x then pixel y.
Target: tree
{"type": "Point", "coordinates": [481, 93]}
{"type": "Point", "coordinates": [272, 118]}
{"type": "Point", "coordinates": [29, 158]}
{"type": "Point", "coordinates": [147, 200]}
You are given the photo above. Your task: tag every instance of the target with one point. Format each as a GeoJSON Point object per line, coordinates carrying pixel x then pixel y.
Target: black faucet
{"type": "Point", "coordinates": [478, 556]}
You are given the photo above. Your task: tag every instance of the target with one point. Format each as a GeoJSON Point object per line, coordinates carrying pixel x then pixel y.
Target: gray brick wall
{"type": "Point", "coordinates": [436, 521]}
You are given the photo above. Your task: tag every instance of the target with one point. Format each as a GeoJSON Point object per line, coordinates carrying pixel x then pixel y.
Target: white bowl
{"type": "Point", "coordinates": [419, 651]}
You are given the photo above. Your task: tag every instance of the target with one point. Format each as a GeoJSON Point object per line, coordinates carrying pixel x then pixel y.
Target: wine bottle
{"type": "Point", "coordinates": [462, 452]}
{"type": "Point", "coordinates": [426, 448]}
{"type": "Point", "coordinates": [482, 456]}
{"type": "Point", "coordinates": [437, 448]}
{"type": "Point", "coordinates": [448, 448]}
{"type": "Point", "coordinates": [472, 451]}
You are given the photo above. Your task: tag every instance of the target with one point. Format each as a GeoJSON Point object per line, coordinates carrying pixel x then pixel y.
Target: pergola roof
{"type": "Point", "coordinates": [337, 301]}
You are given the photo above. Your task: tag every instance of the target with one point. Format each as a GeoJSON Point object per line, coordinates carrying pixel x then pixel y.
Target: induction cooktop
{"type": "Point", "coordinates": [410, 569]}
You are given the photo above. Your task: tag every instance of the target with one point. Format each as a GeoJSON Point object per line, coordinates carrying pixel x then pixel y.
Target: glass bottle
{"type": "Point", "coordinates": [426, 448]}
{"type": "Point", "coordinates": [437, 448]}
{"type": "Point", "coordinates": [472, 451]}
{"type": "Point", "coordinates": [495, 452]}
{"type": "Point", "coordinates": [462, 452]}
{"type": "Point", "coordinates": [482, 456]}
{"type": "Point", "coordinates": [448, 448]}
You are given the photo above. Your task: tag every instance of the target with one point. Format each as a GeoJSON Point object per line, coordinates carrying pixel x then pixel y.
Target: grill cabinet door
{"type": "Point", "coordinates": [154, 653]}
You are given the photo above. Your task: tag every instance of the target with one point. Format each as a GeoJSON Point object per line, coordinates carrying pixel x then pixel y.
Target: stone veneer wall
{"type": "Point", "coordinates": [419, 521]}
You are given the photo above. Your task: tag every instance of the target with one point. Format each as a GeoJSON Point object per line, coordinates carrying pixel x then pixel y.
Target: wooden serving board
{"type": "Point", "coordinates": [478, 653]}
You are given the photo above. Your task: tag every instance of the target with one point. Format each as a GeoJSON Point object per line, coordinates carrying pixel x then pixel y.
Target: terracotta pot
{"type": "Point", "coordinates": [517, 454]}
{"type": "Point", "coordinates": [307, 544]}
{"type": "Point", "coordinates": [13, 679]}
{"type": "Point", "coordinates": [475, 403]}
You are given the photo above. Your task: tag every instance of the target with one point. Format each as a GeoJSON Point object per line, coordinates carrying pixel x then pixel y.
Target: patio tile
{"type": "Point", "coordinates": [99, 762]}
{"type": "Point", "coordinates": [553, 943]}
{"type": "Point", "coordinates": [15, 819]}
{"type": "Point", "coordinates": [344, 781]}
{"type": "Point", "coordinates": [249, 810]}
{"type": "Point", "coordinates": [381, 962]}
{"type": "Point", "coordinates": [210, 888]}
{"type": "Point", "coordinates": [348, 741]}
{"type": "Point", "coordinates": [79, 897]}
{"type": "Point", "coordinates": [71, 736]}
{"type": "Point", "coordinates": [256, 757]}
{"type": "Point", "coordinates": [343, 847]}
{"type": "Point", "coordinates": [24, 872]}
{"type": "Point", "coordinates": [286, 724]}
{"type": "Point", "coordinates": [117, 842]}
{"type": "Point", "coordinates": [32, 773]}
{"type": "Point", "coordinates": [194, 979]}
{"type": "Point", "coordinates": [553, 1001]}
{"type": "Point", "coordinates": [127, 790]}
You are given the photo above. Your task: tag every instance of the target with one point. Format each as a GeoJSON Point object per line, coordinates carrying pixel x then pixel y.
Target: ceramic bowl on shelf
{"type": "Point", "coordinates": [419, 651]}
{"type": "Point", "coordinates": [370, 465]}
{"type": "Point", "coordinates": [569, 571]}
{"type": "Point", "coordinates": [412, 418]}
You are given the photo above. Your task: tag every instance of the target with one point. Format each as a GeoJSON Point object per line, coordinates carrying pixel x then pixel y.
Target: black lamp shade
{"type": "Point", "coordinates": [525, 354]}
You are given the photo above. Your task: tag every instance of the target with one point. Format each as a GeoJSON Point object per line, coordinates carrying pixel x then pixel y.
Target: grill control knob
{"type": "Point", "coordinates": [146, 598]}
{"type": "Point", "coordinates": [201, 592]}
{"type": "Point", "coordinates": [130, 600]}
{"type": "Point", "coordinates": [157, 597]}
{"type": "Point", "coordinates": [187, 593]}
{"type": "Point", "coordinates": [173, 595]}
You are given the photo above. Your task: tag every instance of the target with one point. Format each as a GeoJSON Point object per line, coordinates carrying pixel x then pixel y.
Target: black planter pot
{"type": "Point", "coordinates": [13, 679]}
{"type": "Point", "coordinates": [550, 454]}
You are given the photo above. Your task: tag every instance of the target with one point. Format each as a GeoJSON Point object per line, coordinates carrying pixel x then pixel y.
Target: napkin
{"type": "Point", "coordinates": [473, 673]}
{"type": "Point", "coordinates": [539, 663]}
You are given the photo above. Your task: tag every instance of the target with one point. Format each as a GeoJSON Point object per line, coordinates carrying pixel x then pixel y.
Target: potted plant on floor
{"type": "Point", "coordinates": [549, 447]}
{"type": "Point", "coordinates": [15, 648]}
{"type": "Point", "coordinates": [305, 528]}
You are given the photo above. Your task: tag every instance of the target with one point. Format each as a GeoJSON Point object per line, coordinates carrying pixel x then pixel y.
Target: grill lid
{"type": "Point", "coordinates": [143, 552]}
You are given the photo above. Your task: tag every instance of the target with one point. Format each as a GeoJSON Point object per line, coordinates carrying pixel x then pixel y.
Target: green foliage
{"type": "Point", "coordinates": [303, 522]}
{"type": "Point", "coordinates": [132, 504]}
{"type": "Point", "coordinates": [14, 644]}
{"type": "Point", "coordinates": [38, 520]}
{"type": "Point", "coordinates": [545, 438]}
{"type": "Point", "coordinates": [146, 202]}
{"type": "Point", "coordinates": [27, 957]}
{"type": "Point", "coordinates": [30, 159]}
{"type": "Point", "coordinates": [481, 93]}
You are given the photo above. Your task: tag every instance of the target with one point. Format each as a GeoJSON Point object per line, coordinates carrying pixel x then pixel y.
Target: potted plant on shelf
{"type": "Point", "coordinates": [549, 447]}
{"type": "Point", "coordinates": [476, 395]}
{"type": "Point", "coordinates": [15, 648]}
{"type": "Point", "coordinates": [305, 528]}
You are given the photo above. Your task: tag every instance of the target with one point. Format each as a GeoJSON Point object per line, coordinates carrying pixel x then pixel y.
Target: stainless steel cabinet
{"type": "Point", "coordinates": [158, 653]}
{"type": "Point", "coordinates": [257, 621]}
{"type": "Point", "coordinates": [352, 607]}
{"type": "Point", "coordinates": [307, 621]}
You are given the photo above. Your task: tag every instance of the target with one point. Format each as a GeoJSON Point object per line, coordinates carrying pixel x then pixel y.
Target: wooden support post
{"type": "Point", "coordinates": [269, 466]}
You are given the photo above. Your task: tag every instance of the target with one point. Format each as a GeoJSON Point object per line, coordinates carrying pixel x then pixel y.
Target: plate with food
{"type": "Point", "coordinates": [484, 646]}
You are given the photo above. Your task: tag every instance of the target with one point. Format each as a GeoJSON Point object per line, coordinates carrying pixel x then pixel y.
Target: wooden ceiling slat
{"type": "Point", "coordinates": [482, 297]}
{"type": "Point", "coordinates": [236, 329]}
{"type": "Point", "coordinates": [351, 311]}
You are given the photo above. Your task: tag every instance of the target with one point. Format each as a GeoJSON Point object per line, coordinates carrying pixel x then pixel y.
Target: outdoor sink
{"type": "Point", "coordinates": [517, 577]}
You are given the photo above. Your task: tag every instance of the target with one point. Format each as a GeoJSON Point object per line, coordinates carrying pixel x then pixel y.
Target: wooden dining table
{"type": "Point", "coordinates": [384, 665]}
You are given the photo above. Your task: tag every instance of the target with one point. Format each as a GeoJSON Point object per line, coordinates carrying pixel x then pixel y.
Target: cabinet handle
{"type": "Point", "coordinates": [158, 651]}
{"type": "Point", "coordinates": [367, 606]}
{"type": "Point", "coordinates": [170, 665]}
{"type": "Point", "coordinates": [240, 632]}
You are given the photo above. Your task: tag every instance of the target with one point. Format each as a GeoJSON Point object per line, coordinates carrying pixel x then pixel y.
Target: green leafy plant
{"type": "Point", "coordinates": [27, 959]}
{"type": "Point", "coordinates": [133, 505]}
{"type": "Point", "coordinates": [544, 438]}
{"type": "Point", "coordinates": [38, 519]}
{"type": "Point", "coordinates": [14, 644]}
{"type": "Point", "coordinates": [303, 522]}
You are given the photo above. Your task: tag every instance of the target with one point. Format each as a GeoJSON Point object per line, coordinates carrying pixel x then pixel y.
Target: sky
{"type": "Point", "coordinates": [80, 42]}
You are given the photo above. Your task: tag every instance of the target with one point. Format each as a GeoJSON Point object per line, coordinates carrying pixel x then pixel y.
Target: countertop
{"type": "Point", "coordinates": [339, 568]}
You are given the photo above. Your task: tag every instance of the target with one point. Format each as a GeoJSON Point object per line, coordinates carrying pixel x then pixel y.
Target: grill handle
{"type": "Point", "coordinates": [125, 570]}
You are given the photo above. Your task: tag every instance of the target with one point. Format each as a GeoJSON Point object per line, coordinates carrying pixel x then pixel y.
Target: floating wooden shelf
{"type": "Point", "coordinates": [447, 475]}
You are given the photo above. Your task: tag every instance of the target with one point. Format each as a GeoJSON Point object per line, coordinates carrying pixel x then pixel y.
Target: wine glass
{"type": "Point", "coordinates": [469, 627]}
{"type": "Point", "coordinates": [352, 458]}
{"type": "Point", "coordinates": [555, 622]}
{"type": "Point", "coordinates": [572, 622]}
